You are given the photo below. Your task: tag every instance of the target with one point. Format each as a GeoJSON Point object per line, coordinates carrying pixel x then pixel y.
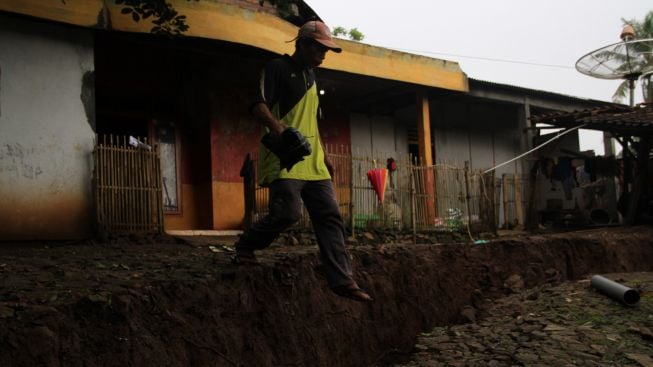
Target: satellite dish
{"type": "Point", "coordinates": [623, 60]}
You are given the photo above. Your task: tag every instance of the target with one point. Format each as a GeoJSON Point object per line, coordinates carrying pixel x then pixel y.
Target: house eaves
{"type": "Point", "coordinates": [534, 97]}
{"type": "Point", "coordinates": [231, 23]}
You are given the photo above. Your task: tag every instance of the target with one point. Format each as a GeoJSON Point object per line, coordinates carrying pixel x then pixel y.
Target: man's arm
{"type": "Point", "coordinates": [263, 114]}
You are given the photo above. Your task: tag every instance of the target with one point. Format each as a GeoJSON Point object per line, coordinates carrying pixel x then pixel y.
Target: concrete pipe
{"type": "Point", "coordinates": [615, 290]}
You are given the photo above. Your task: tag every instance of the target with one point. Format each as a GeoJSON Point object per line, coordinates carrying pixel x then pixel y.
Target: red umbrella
{"type": "Point", "coordinates": [379, 179]}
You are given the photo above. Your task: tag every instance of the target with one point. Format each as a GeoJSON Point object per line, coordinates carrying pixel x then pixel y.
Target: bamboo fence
{"type": "Point", "coordinates": [441, 197]}
{"type": "Point", "coordinates": [127, 187]}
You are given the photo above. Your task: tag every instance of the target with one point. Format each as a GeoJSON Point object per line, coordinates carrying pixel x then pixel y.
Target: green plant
{"type": "Point", "coordinates": [166, 19]}
{"type": "Point", "coordinates": [643, 30]}
{"type": "Point", "coordinates": [353, 34]}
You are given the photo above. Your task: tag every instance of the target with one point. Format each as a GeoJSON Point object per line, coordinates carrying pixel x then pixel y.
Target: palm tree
{"type": "Point", "coordinates": [643, 30]}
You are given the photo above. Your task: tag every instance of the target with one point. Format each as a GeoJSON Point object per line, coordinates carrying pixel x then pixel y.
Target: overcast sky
{"type": "Point", "coordinates": [525, 34]}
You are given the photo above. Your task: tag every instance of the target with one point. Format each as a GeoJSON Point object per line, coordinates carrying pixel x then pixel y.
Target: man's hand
{"type": "Point", "coordinates": [277, 128]}
{"type": "Point", "coordinates": [263, 114]}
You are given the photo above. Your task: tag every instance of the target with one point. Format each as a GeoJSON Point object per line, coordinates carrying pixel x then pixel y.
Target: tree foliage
{"type": "Point", "coordinates": [166, 19]}
{"type": "Point", "coordinates": [643, 30]}
{"type": "Point", "coordinates": [284, 7]}
{"type": "Point", "coordinates": [353, 34]}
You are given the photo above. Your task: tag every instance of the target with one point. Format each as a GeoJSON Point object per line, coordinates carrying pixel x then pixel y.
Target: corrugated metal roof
{"type": "Point", "coordinates": [622, 119]}
{"type": "Point", "coordinates": [538, 92]}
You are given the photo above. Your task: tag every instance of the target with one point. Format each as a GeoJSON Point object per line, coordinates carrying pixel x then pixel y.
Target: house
{"type": "Point", "coordinates": [72, 73]}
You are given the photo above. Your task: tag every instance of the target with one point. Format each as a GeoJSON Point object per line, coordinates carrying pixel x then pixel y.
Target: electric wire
{"type": "Point", "coordinates": [483, 58]}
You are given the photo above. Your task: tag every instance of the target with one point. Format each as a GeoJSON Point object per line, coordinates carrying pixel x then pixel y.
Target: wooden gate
{"type": "Point", "coordinates": [127, 186]}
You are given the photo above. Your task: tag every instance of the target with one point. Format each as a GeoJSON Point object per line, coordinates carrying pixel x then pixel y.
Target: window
{"type": "Point", "coordinates": [166, 137]}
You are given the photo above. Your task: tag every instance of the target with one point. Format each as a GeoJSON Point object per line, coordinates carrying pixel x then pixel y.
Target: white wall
{"type": "Point", "coordinates": [46, 138]}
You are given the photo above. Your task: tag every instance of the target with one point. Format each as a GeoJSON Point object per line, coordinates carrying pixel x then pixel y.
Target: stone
{"type": "Point", "coordinates": [476, 346]}
{"type": "Point", "coordinates": [600, 349]}
{"type": "Point", "coordinates": [369, 236]}
{"type": "Point", "coordinates": [421, 347]}
{"type": "Point", "coordinates": [445, 346]}
{"type": "Point", "coordinates": [526, 357]}
{"type": "Point", "coordinates": [554, 327]}
{"type": "Point", "coordinates": [644, 332]}
{"type": "Point", "coordinates": [292, 241]}
{"type": "Point", "coordinates": [514, 282]}
{"type": "Point", "coordinates": [532, 296]}
{"type": "Point", "coordinates": [436, 339]}
{"type": "Point", "coordinates": [468, 314]}
{"type": "Point", "coordinates": [6, 312]}
{"type": "Point", "coordinates": [643, 359]}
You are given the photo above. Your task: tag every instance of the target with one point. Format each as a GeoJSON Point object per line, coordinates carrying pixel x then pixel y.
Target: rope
{"type": "Point", "coordinates": [536, 148]}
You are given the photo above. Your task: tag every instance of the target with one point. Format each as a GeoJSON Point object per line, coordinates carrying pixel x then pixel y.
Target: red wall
{"type": "Point", "coordinates": [234, 133]}
{"type": "Point", "coordinates": [334, 126]}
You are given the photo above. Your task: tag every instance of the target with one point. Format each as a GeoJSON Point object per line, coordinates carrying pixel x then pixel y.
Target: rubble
{"type": "Point", "coordinates": [570, 325]}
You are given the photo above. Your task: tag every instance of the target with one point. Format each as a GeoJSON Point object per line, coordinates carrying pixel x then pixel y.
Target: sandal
{"type": "Point", "coordinates": [352, 291]}
{"type": "Point", "coordinates": [244, 258]}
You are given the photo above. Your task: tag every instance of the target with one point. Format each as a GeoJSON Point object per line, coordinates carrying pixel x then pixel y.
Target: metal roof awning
{"type": "Point", "coordinates": [622, 120]}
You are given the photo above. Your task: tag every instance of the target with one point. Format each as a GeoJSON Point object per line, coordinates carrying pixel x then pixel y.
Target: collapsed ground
{"type": "Point", "coordinates": [169, 304]}
{"type": "Point", "coordinates": [570, 324]}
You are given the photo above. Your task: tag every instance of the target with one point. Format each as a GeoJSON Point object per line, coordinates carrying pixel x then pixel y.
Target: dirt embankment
{"type": "Point", "coordinates": [173, 305]}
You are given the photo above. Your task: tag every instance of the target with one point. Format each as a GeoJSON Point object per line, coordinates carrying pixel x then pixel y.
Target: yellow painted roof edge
{"type": "Point", "coordinates": [234, 24]}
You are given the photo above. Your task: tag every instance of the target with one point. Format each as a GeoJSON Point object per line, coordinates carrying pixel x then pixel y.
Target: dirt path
{"type": "Point", "coordinates": [172, 304]}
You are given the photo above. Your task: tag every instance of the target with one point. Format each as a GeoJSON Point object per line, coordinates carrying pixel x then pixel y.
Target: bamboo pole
{"type": "Point", "coordinates": [493, 202]}
{"type": "Point", "coordinates": [101, 189]}
{"type": "Point", "coordinates": [467, 196]}
{"type": "Point", "coordinates": [120, 184]}
{"type": "Point", "coordinates": [98, 183]}
{"type": "Point", "coordinates": [518, 202]}
{"type": "Point", "coordinates": [160, 193]}
{"type": "Point", "coordinates": [132, 175]}
{"type": "Point", "coordinates": [124, 155]}
{"type": "Point", "coordinates": [112, 184]}
{"type": "Point", "coordinates": [505, 191]}
{"type": "Point", "coordinates": [147, 219]}
{"type": "Point", "coordinates": [153, 220]}
{"type": "Point", "coordinates": [136, 189]}
{"type": "Point", "coordinates": [129, 205]}
{"type": "Point", "coordinates": [105, 183]}
{"type": "Point", "coordinates": [141, 188]}
{"type": "Point", "coordinates": [413, 207]}
{"type": "Point", "coordinates": [352, 197]}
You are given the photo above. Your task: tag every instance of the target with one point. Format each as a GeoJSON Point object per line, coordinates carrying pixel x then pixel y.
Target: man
{"type": "Point", "coordinates": [288, 98]}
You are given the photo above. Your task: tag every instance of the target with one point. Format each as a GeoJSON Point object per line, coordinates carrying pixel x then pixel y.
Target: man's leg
{"type": "Point", "coordinates": [320, 200]}
{"type": "Point", "coordinates": [284, 209]}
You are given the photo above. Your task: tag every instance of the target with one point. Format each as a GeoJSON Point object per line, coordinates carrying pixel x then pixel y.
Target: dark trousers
{"type": "Point", "coordinates": [285, 209]}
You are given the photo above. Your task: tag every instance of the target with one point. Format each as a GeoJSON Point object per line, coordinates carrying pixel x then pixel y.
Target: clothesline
{"type": "Point", "coordinates": [536, 148]}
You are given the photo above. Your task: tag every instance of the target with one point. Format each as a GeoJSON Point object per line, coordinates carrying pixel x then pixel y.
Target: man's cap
{"type": "Point", "coordinates": [320, 32]}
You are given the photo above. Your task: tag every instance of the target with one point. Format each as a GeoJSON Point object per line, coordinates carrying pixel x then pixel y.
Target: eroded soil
{"type": "Point", "coordinates": [570, 324]}
{"type": "Point", "coordinates": [184, 304]}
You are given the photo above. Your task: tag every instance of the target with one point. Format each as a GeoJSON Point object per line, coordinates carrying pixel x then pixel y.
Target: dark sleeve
{"type": "Point", "coordinates": [269, 84]}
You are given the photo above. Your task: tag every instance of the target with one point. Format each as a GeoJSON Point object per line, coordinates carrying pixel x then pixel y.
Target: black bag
{"type": "Point", "coordinates": [290, 147]}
